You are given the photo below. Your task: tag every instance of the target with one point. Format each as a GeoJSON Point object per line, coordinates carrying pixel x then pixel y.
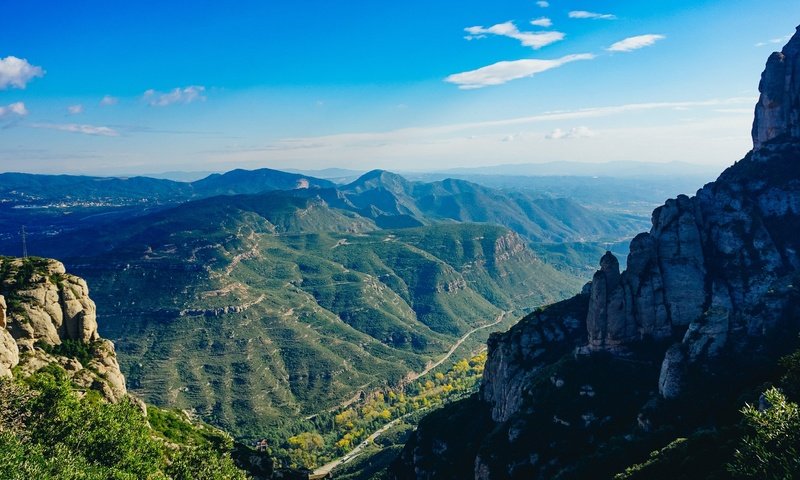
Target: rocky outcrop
{"type": "Point", "coordinates": [778, 108]}
{"type": "Point", "coordinates": [518, 355]}
{"type": "Point", "coordinates": [9, 352]}
{"type": "Point", "coordinates": [41, 308]}
{"type": "Point", "coordinates": [708, 271]}
{"type": "Point", "coordinates": [507, 246]}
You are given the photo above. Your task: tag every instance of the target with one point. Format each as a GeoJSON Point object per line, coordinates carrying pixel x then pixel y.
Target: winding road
{"type": "Point", "coordinates": [328, 467]}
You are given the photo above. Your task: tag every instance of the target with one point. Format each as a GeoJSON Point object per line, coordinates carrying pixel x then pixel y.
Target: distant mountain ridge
{"type": "Point", "coordinates": [48, 205]}
{"type": "Point", "coordinates": [25, 187]}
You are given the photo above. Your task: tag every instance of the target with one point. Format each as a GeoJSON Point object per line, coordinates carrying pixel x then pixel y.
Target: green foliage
{"type": "Point", "coordinates": [173, 426]}
{"type": "Point", "coordinates": [311, 444]}
{"type": "Point", "coordinates": [771, 447]}
{"type": "Point", "coordinates": [318, 317]}
{"type": "Point", "coordinates": [205, 463]}
{"type": "Point", "coordinates": [703, 454]}
{"type": "Point", "coordinates": [790, 382]}
{"type": "Point", "coordinates": [47, 431]}
{"type": "Point", "coordinates": [80, 351]}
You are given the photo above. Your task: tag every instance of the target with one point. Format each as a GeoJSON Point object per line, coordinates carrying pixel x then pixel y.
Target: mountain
{"type": "Point", "coordinates": [337, 175]}
{"type": "Point", "coordinates": [50, 205]}
{"type": "Point", "coordinates": [254, 181]}
{"type": "Point", "coordinates": [39, 190]}
{"type": "Point", "coordinates": [30, 189]}
{"type": "Point", "coordinates": [251, 309]}
{"type": "Point", "coordinates": [662, 356]}
{"type": "Point", "coordinates": [393, 201]}
{"type": "Point", "coordinates": [636, 195]}
{"type": "Point", "coordinates": [65, 409]}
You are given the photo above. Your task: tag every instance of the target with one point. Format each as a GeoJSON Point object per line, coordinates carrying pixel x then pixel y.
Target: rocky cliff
{"type": "Point", "coordinates": [47, 317]}
{"type": "Point", "coordinates": [709, 296]}
{"type": "Point", "coordinates": [778, 108]}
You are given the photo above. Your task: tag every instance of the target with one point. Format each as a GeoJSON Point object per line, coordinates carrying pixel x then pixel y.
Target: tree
{"type": "Point", "coordinates": [771, 448]}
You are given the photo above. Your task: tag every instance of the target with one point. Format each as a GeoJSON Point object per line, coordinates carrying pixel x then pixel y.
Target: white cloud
{"type": "Point", "coordinates": [192, 93]}
{"type": "Point", "coordinates": [75, 109]}
{"type": "Point", "coordinates": [16, 109]}
{"type": "Point", "coordinates": [79, 128]}
{"type": "Point", "coordinates": [108, 101]}
{"type": "Point", "coordinates": [502, 72]}
{"type": "Point", "coordinates": [576, 132]}
{"type": "Point", "coordinates": [774, 41]}
{"type": "Point", "coordinates": [535, 40]}
{"type": "Point", "coordinates": [543, 3]}
{"type": "Point", "coordinates": [17, 72]}
{"type": "Point", "coordinates": [542, 22]}
{"type": "Point", "coordinates": [711, 140]}
{"type": "Point", "coordinates": [635, 43]}
{"type": "Point", "coordinates": [399, 136]}
{"type": "Point", "coordinates": [592, 15]}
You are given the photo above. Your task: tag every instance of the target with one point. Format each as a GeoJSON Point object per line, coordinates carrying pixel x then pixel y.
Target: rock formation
{"type": "Point", "coordinates": [778, 109]}
{"type": "Point", "coordinates": [711, 289]}
{"type": "Point", "coordinates": [9, 352]}
{"type": "Point", "coordinates": [41, 307]}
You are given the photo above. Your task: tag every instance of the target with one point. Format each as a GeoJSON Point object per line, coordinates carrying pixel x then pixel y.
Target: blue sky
{"type": "Point", "coordinates": [136, 87]}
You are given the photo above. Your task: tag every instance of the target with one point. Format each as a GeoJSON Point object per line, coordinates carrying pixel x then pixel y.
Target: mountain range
{"type": "Point", "coordinates": [251, 308]}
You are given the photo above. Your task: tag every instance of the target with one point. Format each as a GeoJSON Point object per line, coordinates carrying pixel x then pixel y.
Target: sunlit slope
{"type": "Point", "coordinates": [250, 308]}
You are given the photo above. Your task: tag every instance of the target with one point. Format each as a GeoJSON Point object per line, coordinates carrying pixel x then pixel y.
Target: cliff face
{"type": "Point", "coordinates": [47, 317]}
{"type": "Point", "coordinates": [711, 271]}
{"type": "Point", "coordinates": [709, 292]}
{"type": "Point", "coordinates": [778, 109]}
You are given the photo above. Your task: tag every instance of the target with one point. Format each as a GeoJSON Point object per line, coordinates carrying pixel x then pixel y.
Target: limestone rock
{"type": "Point", "coordinates": [778, 109]}
{"type": "Point", "coordinates": [515, 357]}
{"type": "Point", "coordinates": [9, 352]}
{"type": "Point", "coordinates": [52, 306]}
{"type": "Point", "coordinates": [3, 308]}
{"type": "Point", "coordinates": [672, 372]}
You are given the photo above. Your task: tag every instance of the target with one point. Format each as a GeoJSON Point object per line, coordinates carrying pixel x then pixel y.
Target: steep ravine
{"type": "Point", "coordinates": [708, 302]}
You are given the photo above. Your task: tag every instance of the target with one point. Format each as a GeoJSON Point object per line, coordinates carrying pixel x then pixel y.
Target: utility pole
{"type": "Point", "coordinates": [24, 244]}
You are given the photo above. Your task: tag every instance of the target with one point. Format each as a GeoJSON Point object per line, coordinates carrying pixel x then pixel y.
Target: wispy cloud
{"type": "Point", "coordinates": [16, 109]}
{"type": "Point", "coordinates": [708, 140]}
{"type": "Point", "coordinates": [591, 15]}
{"type": "Point", "coordinates": [79, 128]}
{"type": "Point", "coordinates": [535, 40]}
{"type": "Point", "coordinates": [543, 3]}
{"type": "Point", "coordinates": [542, 22]}
{"type": "Point", "coordinates": [502, 72]}
{"type": "Point", "coordinates": [192, 93]}
{"type": "Point", "coordinates": [774, 41]}
{"type": "Point", "coordinates": [108, 101]}
{"type": "Point", "coordinates": [17, 72]}
{"type": "Point", "coordinates": [75, 109]}
{"type": "Point", "coordinates": [576, 132]}
{"type": "Point", "coordinates": [407, 134]}
{"type": "Point", "coordinates": [635, 43]}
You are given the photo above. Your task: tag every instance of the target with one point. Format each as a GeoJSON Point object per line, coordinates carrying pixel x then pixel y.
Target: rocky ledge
{"type": "Point", "coordinates": [46, 318]}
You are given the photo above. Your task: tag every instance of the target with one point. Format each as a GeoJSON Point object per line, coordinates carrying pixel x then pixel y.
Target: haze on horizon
{"type": "Point", "coordinates": [86, 87]}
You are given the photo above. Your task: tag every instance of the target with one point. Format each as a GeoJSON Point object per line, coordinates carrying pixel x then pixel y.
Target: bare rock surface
{"type": "Point", "coordinates": [41, 308]}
